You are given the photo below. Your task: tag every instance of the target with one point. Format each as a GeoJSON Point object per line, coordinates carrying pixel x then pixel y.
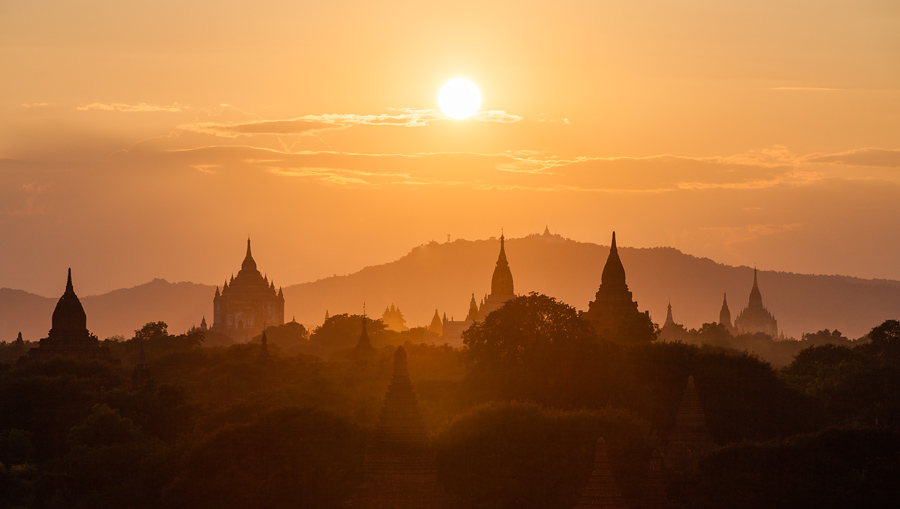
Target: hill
{"type": "Point", "coordinates": [443, 276]}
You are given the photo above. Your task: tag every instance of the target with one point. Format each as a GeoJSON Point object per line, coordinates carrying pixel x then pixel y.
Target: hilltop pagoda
{"type": "Point", "coordinates": [399, 467]}
{"type": "Point", "coordinates": [246, 303]}
{"type": "Point", "coordinates": [755, 318]}
{"type": "Point", "coordinates": [68, 334]}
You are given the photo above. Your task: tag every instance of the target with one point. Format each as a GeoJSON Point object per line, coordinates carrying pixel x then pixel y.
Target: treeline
{"type": "Point", "coordinates": [514, 416]}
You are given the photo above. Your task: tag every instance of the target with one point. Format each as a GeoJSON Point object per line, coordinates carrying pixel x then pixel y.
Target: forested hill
{"type": "Point", "coordinates": [443, 276]}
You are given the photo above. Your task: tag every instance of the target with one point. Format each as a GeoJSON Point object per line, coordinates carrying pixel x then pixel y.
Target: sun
{"type": "Point", "coordinates": [459, 98]}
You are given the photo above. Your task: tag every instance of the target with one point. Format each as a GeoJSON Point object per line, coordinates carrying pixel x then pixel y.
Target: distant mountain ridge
{"type": "Point", "coordinates": [443, 276]}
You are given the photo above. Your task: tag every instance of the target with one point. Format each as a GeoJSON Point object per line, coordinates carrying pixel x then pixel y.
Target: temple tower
{"type": "Point", "coordinates": [613, 301]}
{"type": "Point", "coordinates": [501, 284]}
{"type": "Point", "coordinates": [68, 334]}
{"type": "Point", "coordinates": [399, 467]}
{"type": "Point", "coordinates": [246, 303]}
{"type": "Point", "coordinates": [669, 319]}
{"type": "Point", "coordinates": [755, 318]}
{"type": "Point", "coordinates": [690, 437]}
{"type": "Point", "coordinates": [724, 313]}
{"type": "Point", "coordinates": [474, 314]}
{"type": "Point", "coordinates": [601, 489]}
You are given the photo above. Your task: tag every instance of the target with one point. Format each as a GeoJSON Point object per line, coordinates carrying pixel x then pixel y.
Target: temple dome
{"type": "Point", "coordinates": [69, 315]}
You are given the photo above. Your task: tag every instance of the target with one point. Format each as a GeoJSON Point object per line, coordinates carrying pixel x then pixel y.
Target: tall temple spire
{"type": "Point", "coordinates": [669, 319]}
{"type": "Point", "coordinates": [502, 280]}
{"type": "Point", "coordinates": [755, 295]}
{"type": "Point", "coordinates": [364, 344]}
{"type": "Point", "coordinates": [68, 316]}
{"type": "Point", "coordinates": [725, 313]}
{"type": "Point", "coordinates": [249, 263]}
{"type": "Point", "coordinates": [601, 489]}
{"type": "Point", "coordinates": [613, 271]}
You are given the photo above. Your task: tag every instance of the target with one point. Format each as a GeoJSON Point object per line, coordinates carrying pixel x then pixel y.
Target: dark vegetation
{"type": "Point", "coordinates": [514, 417]}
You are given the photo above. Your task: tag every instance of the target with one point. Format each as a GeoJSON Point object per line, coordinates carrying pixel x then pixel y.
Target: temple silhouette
{"type": "Point", "coordinates": [502, 290]}
{"type": "Point", "coordinates": [601, 490]}
{"type": "Point", "coordinates": [613, 302]}
{"type": "Point", "coordinates": [399, 469]}
{"type": "Point", "coordinates": [393, 319]}
{"type": "Point", "coordinates": [68, 334]}
{"type": "Point", "coordinates": [690, 438]}
{"type": "Point", "coordinates": [246, 303]}
{"type": "Point", "coordinates": [755, 318]}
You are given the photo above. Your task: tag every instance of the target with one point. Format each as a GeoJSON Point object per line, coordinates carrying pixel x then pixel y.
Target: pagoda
{"type": "Point", "coordinates": [399, 469]}
{"type": "Point", "coordinates": [613, 302]}
{"type": "Point", "coordinates": [601, 489]}
{"type": "Point", "coordinates": [690, 437]}
{"type": "Point", "coordinates": [246, 303]}
{"type": "Point", "coordinates": [755, 318]}
{"type": "Point", "coordinates": [68, 334]}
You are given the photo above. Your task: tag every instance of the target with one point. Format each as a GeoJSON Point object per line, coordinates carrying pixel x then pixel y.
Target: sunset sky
{"type": "Point", "coordinates": [144, 140]}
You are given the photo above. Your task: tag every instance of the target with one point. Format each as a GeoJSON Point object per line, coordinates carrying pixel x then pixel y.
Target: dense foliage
{"type": "Point", "coordinates": [513, 415]}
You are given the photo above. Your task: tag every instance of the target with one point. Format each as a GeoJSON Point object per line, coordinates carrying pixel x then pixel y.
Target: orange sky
{"type": "Point", "coordinates": [142, 141]}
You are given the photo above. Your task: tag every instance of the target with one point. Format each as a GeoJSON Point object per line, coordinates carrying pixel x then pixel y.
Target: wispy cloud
{"type": "Point", "coordinates": [313, 124]}
{"type": "Point", "coordinates": [810, 89]}
{"type": "Point", "coordinates": [140, 107]}
{"type": "Point", "coordinates": [497, 116]}
{"type": "Point", "coordinates": [34, 105]}
{"type": "Point", "coordinates": [875, 157]}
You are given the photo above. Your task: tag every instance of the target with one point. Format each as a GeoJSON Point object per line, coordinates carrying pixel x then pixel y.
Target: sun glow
{"type": "Point", "coordinates": [459, 98]}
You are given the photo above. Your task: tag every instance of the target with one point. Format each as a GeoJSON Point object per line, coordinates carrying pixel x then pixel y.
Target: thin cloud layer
{"type": "Point", "coordinates": [130, 108]}
{"type": "Point", "coordinates": [875, 157]}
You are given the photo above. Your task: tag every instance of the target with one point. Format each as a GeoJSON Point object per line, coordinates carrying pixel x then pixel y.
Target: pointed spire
{"type": "Point", "coordinates": [248, 248]}
{"type": "Point", "coordinates": [547, 230]}
{"type": "Point", "coordinates": [669, 319]}
{"type": "Point", "coordinates": [601, 489]}
{"type": "Point", "coordinates": [264, 356]}
{"type": "Point", "coordinates": [69, 287]}
{"type": "Point", "coordinates": [755, 295]}
{"type": "Point", "coordinates": [725, 313]}
{"type": "Point", "coordinates": [502, 280]}
{"type": "Point", "coordinates": [613, 271]}
{"type": "Point", "coordinates": [437, 326]}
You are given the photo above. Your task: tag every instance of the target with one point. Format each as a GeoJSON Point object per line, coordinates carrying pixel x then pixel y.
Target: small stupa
{"type": "Point", "coordinates": [601, 489]}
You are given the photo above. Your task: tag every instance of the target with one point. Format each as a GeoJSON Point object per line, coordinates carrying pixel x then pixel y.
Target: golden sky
{"type": "Point", "coordinates": [148, 140]}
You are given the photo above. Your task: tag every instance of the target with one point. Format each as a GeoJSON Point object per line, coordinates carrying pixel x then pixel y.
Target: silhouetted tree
{"type": "Point", "coordinates": [534, 347]}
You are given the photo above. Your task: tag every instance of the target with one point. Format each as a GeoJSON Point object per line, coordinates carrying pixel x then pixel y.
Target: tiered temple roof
{"type": "Point", "coordinates": [601, 489]}
{"type": "Point", "coordinates": [247, 302]}
{"type": "Point", "coordinates": [400, 469]}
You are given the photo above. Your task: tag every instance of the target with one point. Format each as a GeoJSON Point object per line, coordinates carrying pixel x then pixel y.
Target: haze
{"type": "Point", "coordinates": [143, 141]}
